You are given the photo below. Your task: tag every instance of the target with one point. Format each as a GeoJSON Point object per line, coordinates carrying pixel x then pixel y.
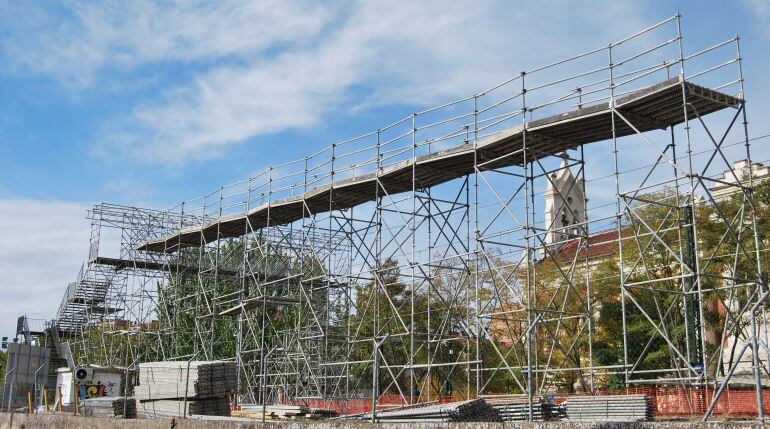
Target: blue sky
{"type": "Point", "coordinates": [151, 103]}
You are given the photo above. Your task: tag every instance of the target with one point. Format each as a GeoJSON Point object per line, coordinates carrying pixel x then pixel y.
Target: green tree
{"type": "Point", "coordinates": [3, 363]}
{"type": "Point", "coordinates": [724, 236]}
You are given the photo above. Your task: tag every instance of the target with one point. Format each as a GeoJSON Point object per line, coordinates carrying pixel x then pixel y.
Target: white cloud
{"type": "Point", "coordinates": [42, 247]}
{"type": "Point", "coordinates": [77, 42]}
{"type": "Point", "coordinates": [413, 53]}
{"type": "Point", "coordinates": [264, 68]}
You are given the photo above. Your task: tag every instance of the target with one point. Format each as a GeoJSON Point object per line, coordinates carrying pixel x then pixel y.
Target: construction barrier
{"type": "Point", "coordinates": [688, 402]}
{"type": "Point", "coordinates": [362, 405]}
{"type": "Point", "coordinates": [667, 402]}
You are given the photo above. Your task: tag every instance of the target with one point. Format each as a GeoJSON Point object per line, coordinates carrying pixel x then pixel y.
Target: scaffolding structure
{"type": "Point", "coordinates": [108, 316]}
{"type": "Point", "coordinates": [413, 262]}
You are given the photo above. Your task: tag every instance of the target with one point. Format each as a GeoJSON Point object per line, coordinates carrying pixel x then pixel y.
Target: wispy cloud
{"type": "Point", "coordinates": [77, 42]}
{"type": "Point", "coordinates": [43, 245]}
{"type": "Point", "coordinates": [288, 65]}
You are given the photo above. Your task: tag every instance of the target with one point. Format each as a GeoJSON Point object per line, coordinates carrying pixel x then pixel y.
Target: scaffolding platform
{"type": "Point", "coordinates": [170, 267]}
{"type": "Point", "coordinates": [654, 107]}
{"type": "Point", "coordinates": [251, 303]}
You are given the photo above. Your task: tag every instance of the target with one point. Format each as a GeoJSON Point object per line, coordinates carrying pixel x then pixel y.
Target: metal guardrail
{"type": "Point", "coordinates": [62, 348]}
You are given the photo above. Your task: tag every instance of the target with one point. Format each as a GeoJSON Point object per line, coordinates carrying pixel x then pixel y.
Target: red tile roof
{"type": "Point", "coordinates": [601, 244]}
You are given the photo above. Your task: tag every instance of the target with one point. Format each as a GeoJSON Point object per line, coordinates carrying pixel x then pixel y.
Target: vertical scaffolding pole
{"type": "Point", "coordinates": [476, 237]}
{"type": "Point", "coordinates": [528, 232]}
{"type": "Point", "coordinates": [760, 274]}
{"type": "Point", "coordinates": [618, 215]}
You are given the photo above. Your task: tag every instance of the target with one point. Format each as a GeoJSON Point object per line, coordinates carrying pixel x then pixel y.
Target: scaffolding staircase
{"type": "Point", "coordinates": [85, 300]}
{"type": "Point", "coordinates": [61, 349]}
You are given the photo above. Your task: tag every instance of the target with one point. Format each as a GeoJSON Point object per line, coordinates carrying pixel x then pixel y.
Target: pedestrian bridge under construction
{"type": "Point", "coordinates": [555, 233]}
{"type": "Point", "coordinates": [655, 107]}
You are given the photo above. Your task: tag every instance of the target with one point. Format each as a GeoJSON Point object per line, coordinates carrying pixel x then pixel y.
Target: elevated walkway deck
{"type": "Point", "coordinates": [654, 107]}
{"type": "Point", "coordinates": [171, 267]}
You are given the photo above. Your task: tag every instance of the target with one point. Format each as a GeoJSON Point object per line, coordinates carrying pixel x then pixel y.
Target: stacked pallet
{"type": "Point", "coordinates": [476, 410]}
{"type": "Point", "coordinates": [516, 407]}
{"type": "Point", "coordinates": [173, 389]}
{"type": "Point", "coordinates": [108, 406]}
{"type": "Point", "coordinates": [615, 408]}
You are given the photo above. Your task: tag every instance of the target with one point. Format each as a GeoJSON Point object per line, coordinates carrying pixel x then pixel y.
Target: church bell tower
{"type": "Point", "coordinates": [564, 205]}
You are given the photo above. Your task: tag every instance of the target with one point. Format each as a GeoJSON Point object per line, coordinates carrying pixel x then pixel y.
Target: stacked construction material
{"type": "Point", "coordinates": [323, 413]}
{"type": "Point", "coordinates": [615, 408]}
{"type": "Point", "coordinates": [171, 379]}
{"type": "Point", "coordinates": [476, 410]}
{"type": "Point", "coordinates": [176, 408]}
{"type": "Point", "coordinates": [277, 411]}
{"type": "Point", "coordinates": [516, 407]}
{"type": "Point", "coordinates": [173, 389]}
{"type": "Point", "coordinates": [285, 411]}
{"type": "Point", "coordinates": [108, 406]}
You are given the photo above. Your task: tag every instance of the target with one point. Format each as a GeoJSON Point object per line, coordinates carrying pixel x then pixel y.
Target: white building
{"type": "Point", "coordinates": [726, 184]}
{"type": "Point", "coordinates": [725, 187]}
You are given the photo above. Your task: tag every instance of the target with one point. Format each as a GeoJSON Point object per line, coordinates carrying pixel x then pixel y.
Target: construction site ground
{"type": "Point", "coordinates": [29, 421]}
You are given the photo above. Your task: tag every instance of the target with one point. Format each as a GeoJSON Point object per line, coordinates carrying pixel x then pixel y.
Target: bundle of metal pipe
{"type": "Point", "coordinates": [615, 408]}
{"type": "Point", "coordinates": [516, 407]}
{"type": "Point", "coordinates": [476, 410]}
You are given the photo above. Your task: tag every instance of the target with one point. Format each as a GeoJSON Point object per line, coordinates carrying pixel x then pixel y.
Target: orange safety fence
{"type": "Point", "coordinates": [364, 405]}
{"type": "Point", "coordinates": [667, 402]}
